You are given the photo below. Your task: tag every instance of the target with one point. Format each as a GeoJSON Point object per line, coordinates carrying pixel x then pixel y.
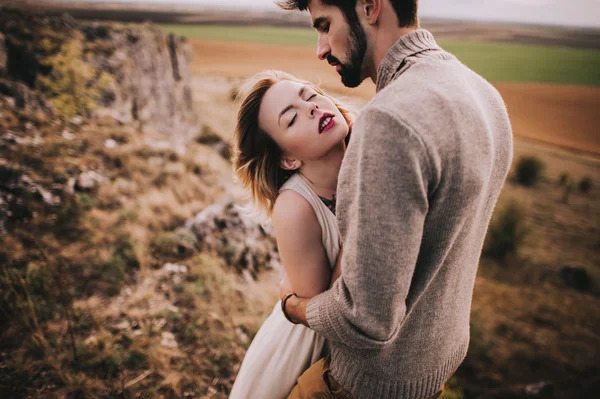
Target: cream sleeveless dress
{"type": "Point", "coordinates": [282, 351]}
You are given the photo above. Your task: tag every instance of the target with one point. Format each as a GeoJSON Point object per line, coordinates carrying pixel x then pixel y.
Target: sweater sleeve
{"type": "Point", "coordinates": [384, 215]}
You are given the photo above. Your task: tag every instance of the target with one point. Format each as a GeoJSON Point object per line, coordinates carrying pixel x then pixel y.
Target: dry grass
{"type": "Point", "coordinates": [123, 234]}
{"type": "Point", "coordinates": [529, 326]}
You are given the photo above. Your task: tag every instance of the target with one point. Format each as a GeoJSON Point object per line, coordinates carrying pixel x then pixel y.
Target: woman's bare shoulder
{"type": "Point", "coordinates": [292, 209]}
{"type": "Point", "coordinates": [298, 235]}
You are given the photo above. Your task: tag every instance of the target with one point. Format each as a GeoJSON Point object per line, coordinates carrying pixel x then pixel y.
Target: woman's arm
{"type": "Point", "coordinates": [298, 235]}
{"type": "Point", "coordinates": [296, 306]}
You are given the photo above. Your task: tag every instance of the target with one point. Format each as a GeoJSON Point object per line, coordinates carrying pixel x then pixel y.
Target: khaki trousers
{"type": "Point", "coordinates": [318, 383]}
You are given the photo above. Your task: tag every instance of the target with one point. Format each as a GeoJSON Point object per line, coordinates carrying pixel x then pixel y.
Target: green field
{"type": "Point", "coordinates": [498, 62]}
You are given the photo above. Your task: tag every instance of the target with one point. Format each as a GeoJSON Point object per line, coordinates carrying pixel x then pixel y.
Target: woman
{"type": "Point", "coordinates": [289, 143]}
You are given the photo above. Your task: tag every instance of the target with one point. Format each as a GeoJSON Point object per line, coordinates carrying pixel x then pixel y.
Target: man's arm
{"type": "Point", "coordinates": [383, 235]}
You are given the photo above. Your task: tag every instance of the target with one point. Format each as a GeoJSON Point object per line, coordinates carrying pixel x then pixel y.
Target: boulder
{"type": "Point", "coordinates": [229, 231]}
{"type": "Point", "coordinates": [89, 180]}
{"type": "Point", "coordinates": [576, 277]}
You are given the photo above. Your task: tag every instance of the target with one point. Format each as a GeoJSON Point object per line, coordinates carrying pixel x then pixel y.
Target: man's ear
{"type": "Point", "coordinates": [371, 10]}
{"type": "Point", "coordinates": [290, 163]}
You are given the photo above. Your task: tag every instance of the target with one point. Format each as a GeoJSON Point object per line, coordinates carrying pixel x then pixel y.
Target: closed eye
{"type": "Point", "coordinates": [293, 120]}
{"type": "Point", "coordinates": [321, 24]}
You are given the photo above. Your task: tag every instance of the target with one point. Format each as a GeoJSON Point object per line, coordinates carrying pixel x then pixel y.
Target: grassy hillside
{"type": "Point", "coordinates": [86, 307]}
{"type": "Point", "coordinates": [498, 62]}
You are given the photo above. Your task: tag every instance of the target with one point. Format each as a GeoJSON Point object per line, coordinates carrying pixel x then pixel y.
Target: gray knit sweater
{"type": "Point", "coordinates": [425, 165]}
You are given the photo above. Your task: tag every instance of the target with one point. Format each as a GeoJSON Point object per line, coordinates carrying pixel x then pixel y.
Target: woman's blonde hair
{"type": "Point", "coordinates": [256, 156]}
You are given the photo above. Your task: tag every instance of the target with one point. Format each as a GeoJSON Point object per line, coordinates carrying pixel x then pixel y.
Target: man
{"type": "Point", "coordinates": [425, 165]}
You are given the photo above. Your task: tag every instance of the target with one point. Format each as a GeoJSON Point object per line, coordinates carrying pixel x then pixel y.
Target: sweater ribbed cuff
{"type": "Point", "coordinates": [317, 314]}
{"type": "Point", "coordinates": [324, 315]}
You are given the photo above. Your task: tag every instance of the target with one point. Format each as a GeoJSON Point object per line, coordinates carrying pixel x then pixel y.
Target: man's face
{"type": "Point", "coordinates": [342, 42]}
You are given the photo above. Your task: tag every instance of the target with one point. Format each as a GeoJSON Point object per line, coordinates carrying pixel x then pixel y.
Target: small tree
{"type": "Point", "coordinates": [567, 192]}
{"type": "Point", "coordinates": [506, 232]}
{"type": "Point", "coordinates": [529, 171]}
{"type": "Point", "coordinates": [585, 185]}
{"type": "Point", "coordinates": [564, 178]}
{"type": "Point", "coordinates": [73, 86]}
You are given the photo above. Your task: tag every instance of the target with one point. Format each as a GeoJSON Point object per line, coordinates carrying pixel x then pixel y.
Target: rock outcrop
{"type": "Point", "coordinates": [134, 74]}
{"type": "Point", "coordinates": [144, 71]}
{"type": "Point", "coordinates": [227, 231]}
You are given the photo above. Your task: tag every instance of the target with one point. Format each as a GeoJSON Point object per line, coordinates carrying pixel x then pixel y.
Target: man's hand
{"type": "Point", "coordinates": [295, 306]}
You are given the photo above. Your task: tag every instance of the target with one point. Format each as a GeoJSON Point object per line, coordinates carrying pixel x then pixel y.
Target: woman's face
{"type": "Point", "coordinates": [305, 124]}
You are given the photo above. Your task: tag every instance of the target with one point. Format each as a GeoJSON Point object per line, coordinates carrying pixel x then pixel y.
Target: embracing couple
{"type": "Point", "coordinates": [379, 218]}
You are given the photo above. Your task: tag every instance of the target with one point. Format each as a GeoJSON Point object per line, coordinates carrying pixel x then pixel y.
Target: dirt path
{"type": "Point", "coordinates": [562, 115]}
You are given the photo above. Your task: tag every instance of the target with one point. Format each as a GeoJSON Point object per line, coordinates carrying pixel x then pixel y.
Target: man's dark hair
{"type": "Point", "coordinates": [406, 10]}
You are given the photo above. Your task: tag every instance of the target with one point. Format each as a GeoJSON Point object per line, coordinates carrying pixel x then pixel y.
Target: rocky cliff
{"type": "Point", "coordinates": [136, 73]}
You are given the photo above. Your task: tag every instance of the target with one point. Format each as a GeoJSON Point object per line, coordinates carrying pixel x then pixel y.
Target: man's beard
{"type": "Point", "coordinates": [351, 72]}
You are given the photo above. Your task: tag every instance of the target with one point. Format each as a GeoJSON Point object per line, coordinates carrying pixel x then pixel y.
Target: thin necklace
{"type": "Point", "coordinates": [329, 203]}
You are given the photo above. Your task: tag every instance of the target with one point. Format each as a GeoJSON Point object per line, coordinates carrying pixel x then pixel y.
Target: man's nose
{"type": "Point", "coordinates": [323, 49]}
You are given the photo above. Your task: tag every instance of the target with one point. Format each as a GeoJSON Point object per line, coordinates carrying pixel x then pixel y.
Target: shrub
{"type": "Point", "coordinates": [585, 185]}
{"type": "Point", "coordinates": [136, 360]}
{"type": "Point", "coordinates": [128, 215]}
{"type": "Point", "coordinates": [161, 179]}
{"type": "Point", "coordinates": [41, 285]}
{"type": "Point", "coordinates": [564, 178]}
{"type": "Point", "coordinates": [114, 272]}
{"type": "Point", "coordinates": [164, 245]}
{"type": "Point", "coordinates": [208, 136]}
{"type": "Point", "coordinates": [566, 192]}
{"type": "Point", "coordinates": [480, 347]}
{"type": "Point", "coordinates": [73, 86]}
{"type": "Point", "coordinates": [529, 171]}
{"type": "Point", "coordinates": [87, 202]}
{"type": "Point", "coordinates": [506, 232]}
{"type": "Point", "coordinates": [452, 390]}
{"type": "Point", "coordinates": [107, 366]}
{"type": "Point", "coordinates": [234, 94]}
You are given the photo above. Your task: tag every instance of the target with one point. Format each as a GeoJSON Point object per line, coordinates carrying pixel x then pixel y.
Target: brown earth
{"type": "Point", "coordinates": [561, 115]}
{"type": "Point", "coordinates": [556, 114]}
